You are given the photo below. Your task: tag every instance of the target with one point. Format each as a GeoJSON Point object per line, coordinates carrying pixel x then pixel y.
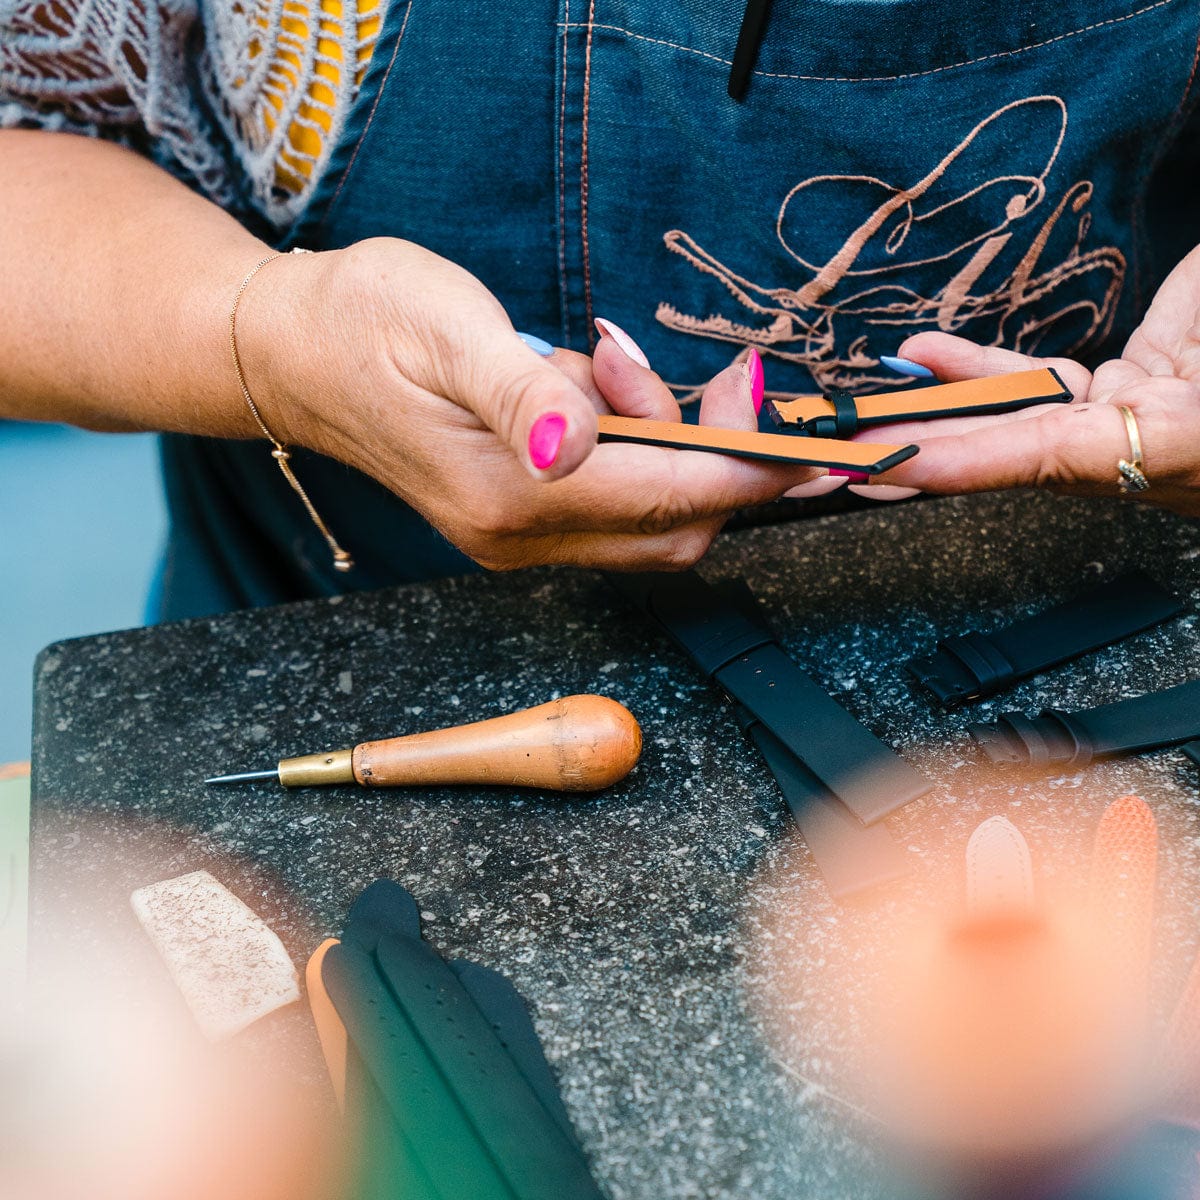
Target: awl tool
{"type": "Point", "coordinates": [576, 744]}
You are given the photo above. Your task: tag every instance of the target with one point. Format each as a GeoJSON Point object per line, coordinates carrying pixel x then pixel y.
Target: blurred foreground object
{"type": "Point", "coordinates": [1014, 1050]}
{"type": "Point", "coordinates": [109, 1090]}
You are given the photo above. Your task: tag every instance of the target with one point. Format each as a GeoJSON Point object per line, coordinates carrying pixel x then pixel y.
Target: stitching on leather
{"type": "Point", "coordinates": [583, 179]}
{"type": "Point", "coordinates": [564, 303]}
{"type": "Point", "coordinates": [970, 62]}
{"type": "Point", "coordinates": [1139, 205]}
{"type": "Point", "coordinates": [999, 846]}
{"type": "Point", "coordinates": [333, 202]}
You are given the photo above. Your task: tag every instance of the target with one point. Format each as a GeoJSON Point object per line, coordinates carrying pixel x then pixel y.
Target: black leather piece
{"type": "Point", "coordinates": [868, 777]}
{"type": "Point", "coordinates": [851, 856]}
{"type": "Point", "coordinates": [976, 665]}
{"type": "Point", "coordinates": [537, 1159]}
{"type": "Point", "coordinates": [382, 1163]}
{"type": "Point", "coordinates": [504, 1008]}
{"type": "Point", "coordinates": [1068, 740]}
{"type": "Point", "coordinates": [1192, 750]}
{"type": "Point", "coordinates": [425, 1109]}
{"type": "Point", "coordinates": [404, 1144]}
{"type": "Point", "coordinates": [387, 908]}
{"type": "Point", "coordinates": [467, 1114]}
{"type": "Point", "coordinates": [382, 907]}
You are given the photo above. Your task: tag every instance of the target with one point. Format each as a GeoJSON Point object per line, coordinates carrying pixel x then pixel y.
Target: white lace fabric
{"type": "Point", "coordinates": [242, 98]}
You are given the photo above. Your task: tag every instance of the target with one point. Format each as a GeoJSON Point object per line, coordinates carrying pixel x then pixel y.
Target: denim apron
{"type": "Point", "coordinates": [1018, 173]}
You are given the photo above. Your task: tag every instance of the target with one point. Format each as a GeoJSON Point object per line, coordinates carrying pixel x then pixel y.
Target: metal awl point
{"type": "Point", "coordinates": [246, 777]}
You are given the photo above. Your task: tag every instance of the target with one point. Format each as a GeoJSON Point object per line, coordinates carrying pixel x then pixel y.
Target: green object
{"type": "Point", "coordinates": [14, 882]}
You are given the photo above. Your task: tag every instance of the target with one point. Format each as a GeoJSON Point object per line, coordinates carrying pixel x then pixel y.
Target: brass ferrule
{"type": "Point", "coordinates": [310, 770]}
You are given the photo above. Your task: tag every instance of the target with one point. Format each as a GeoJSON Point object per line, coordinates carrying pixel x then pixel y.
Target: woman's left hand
{"type": "Point", "coordinates": [1073, 448]}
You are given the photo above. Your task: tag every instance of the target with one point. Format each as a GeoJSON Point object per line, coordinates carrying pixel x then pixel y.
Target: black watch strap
{"type": "Point", "coordinates": [851, 856]}
{"type": "Point", "coordinates": [974, 665]}
{"type": "Point", "coordinates": [739, 652]}
{"type": "Point", "coordinates": [448, 1079]}
{"type": "Point", "coordinates": [1060, 739]}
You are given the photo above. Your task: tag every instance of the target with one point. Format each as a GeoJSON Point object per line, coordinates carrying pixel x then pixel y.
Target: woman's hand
{"type": "Point", "coordinates": [395, 361]}
{"type": "Point", "coordinates": [1074, 448]}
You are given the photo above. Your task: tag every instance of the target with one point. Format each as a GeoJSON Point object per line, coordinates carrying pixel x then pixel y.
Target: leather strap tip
{"type": "Point", "coordinates": [781, 423]}
{"type": "Point", "coordinates": [950, 693]}
{"type": "Point", "coordinates": [996, 744]}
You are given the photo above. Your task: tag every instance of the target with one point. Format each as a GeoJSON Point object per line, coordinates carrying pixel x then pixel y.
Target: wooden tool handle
{"type": "Point", "coordinates": [576, 744]}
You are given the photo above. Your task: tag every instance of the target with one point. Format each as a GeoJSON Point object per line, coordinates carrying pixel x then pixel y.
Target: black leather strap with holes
{"type": "Point", "coordinates": [447, 1079]}
{"type": "Point", "coordinates": [739, 653]}
{"type": "Point", "coordinates": [1057, 739]}
{"type": "Point", "coordinates": [974, 665]}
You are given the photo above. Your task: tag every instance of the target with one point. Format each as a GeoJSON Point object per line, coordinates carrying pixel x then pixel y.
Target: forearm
{"type": "Point", "coordinates": [117, 286]}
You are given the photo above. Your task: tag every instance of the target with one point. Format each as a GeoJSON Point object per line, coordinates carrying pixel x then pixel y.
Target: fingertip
{"type": "Point", "coordinates": [538, 345]}
{"type": "Point", "coordinates": [728, 399]}
{"type": "Point", "coordinates": [821, 486]}
{"type": "Point", "coordinates": [560, 440]}
{"type": "Point", "coordinates": [905, 366]}
{"type": "Point", "coordinates": [754, 371]}
{"type": "Point", "coordinates": [622, 341]}
{"type": "Point", "coordinates": [883, 492]}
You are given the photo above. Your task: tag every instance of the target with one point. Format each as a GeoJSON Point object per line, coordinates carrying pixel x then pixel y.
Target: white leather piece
{"type": "Point", "coordinates": [999, 871]}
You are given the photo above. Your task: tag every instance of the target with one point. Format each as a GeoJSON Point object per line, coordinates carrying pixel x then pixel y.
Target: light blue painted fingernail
{"type": "Point", "coordinates": [536, 344]}
{"type": "Point", "coordinates": [905, 366]}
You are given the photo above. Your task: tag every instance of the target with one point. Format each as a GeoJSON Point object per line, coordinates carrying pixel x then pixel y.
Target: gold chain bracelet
{"type": "Point", "coordinates": [342, 561]}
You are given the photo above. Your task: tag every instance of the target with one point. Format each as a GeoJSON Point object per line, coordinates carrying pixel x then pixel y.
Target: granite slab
{"type": "Point", "coordinates": [669, 934]}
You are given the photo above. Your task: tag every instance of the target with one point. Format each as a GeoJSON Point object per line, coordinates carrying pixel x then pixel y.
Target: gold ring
{"type": "Point", "coordinates": [1131, 471]}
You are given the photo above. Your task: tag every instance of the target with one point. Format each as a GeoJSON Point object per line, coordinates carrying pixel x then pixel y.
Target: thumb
{"type": "Point", "coordinates": [517, 392]}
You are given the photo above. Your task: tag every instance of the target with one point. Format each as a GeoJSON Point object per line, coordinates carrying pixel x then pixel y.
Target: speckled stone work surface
{"type": "Point", "coordinates": [670, 935]}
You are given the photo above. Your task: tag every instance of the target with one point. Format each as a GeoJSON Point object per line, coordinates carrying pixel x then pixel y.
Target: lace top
{"type": "Point", "coordinates": [242, 98]}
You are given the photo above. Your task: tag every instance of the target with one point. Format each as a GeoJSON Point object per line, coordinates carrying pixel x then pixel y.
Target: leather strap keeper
{"type": "Point", "coordinates": [974, 665]}
{"type": "Point", "coordinates": [1055, 738]}
{"type": "Point", "coordinates": [839, 414]}
{"type": "Point", "coordinates": [864, 774]}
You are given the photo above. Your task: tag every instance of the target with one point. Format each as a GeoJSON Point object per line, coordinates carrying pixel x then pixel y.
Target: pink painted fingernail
{"type": "Point", "coordinates": [545, 438]}
{"type": "Point", "coordinates": [853, 476]}
{"type": "Point", "coordinates": [624, 341]}
{"type": "Point", "coordinates": [754, 369]}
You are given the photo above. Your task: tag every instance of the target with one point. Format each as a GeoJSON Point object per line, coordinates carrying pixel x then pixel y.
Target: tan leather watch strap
{"type": "Point", "coordinates": [840, 414]}
{"type": "Point", "coordinates": [866, 457]}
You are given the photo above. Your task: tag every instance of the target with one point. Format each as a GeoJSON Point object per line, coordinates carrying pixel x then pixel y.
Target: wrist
{"type": "Point", "coordinates": [269, 346]}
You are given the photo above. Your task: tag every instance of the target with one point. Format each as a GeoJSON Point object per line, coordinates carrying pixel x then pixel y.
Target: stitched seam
{"type": "Point", "coordinates": [370, 117]}
{"type": "Point", "coordinates": [1139, 204]}
{"type": "Point", "coordinates": [563, 300]}
{"type": "Point", "coordinates": [970, 62]}
{"type": "Point", "coordinates": [583, 180]}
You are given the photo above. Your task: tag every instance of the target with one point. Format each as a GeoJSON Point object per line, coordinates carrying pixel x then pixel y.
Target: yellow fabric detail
{"type": "Point", "coordinates": [311, 123]}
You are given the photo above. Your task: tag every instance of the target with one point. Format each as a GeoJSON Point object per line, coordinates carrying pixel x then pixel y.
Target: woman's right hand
{"type": "Point", "coordinates": [401, 364]}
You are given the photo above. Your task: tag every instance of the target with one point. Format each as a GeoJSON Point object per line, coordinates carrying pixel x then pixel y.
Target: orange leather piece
{"type": "Point", "coordinates": [994, 394]}
{"type": "Point", "coordinates": [330, 1030]}
{"type": "Point", "coordinates": [1124, 868]}
{"type": "Point", "coordinates": [772, 447]}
